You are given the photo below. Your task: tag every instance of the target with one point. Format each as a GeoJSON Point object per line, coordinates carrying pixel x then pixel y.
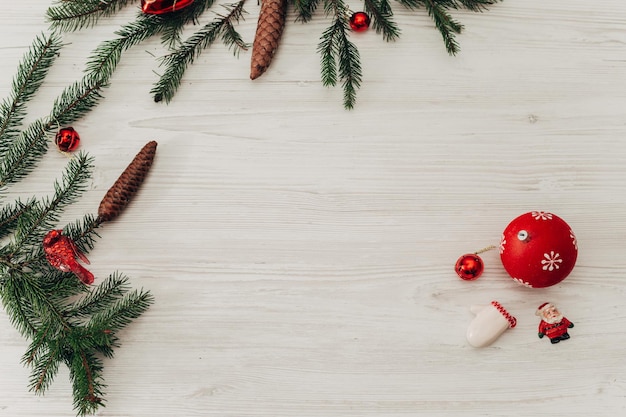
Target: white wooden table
{"type": "Point", "coordinates": [301, 255]}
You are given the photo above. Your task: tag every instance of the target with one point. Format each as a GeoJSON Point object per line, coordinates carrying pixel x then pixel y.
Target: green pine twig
{"type": "Point", "coordinates": [104, 59]}
{"type": "Point", "coordinates": [337, 52]}
{"type": "Point", "coordinates": [73, 15]}
{"type": "Point", "coordinates": [177, 62]}
{"type": "Point", "coordinates": [31, 72]}
{"type": "Point", "coordinates": [445, 24]}
{"type": "Point", "coordinates": [41, 217]}
{"type": "Point", "coordinates": [305, 9]}
{"type": "Point", "coordinates": [381, 15]}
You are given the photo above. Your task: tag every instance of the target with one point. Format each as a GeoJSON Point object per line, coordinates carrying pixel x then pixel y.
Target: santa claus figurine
{"type": "Point", "coordinates": [553, 324]}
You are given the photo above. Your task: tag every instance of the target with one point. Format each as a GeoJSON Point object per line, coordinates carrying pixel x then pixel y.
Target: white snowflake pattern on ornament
{"type": "Point", "coordinates": [524, 283]}
{"type": "Point", "coordinates": [552, 261]}
{"type": "Point", "coordinates": [502, 243]}
{"type": "Point", "coordinates": [541, 215]}
{"type": "Point", "coordinates": [574, 241]}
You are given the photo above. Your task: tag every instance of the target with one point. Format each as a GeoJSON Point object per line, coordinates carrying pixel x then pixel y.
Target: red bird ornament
{"type": "Point", "coordinates": [61, 252]}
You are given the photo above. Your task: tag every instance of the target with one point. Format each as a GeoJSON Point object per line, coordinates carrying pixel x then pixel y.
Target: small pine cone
{"type": "Point", "coordinates": [127, 185]}
{"type": "Point", "coordinates": [268, 31]}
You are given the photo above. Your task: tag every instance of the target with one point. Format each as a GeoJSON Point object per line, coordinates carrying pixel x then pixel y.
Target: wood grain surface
{"type": "Point", "coordinates": [302, 255]}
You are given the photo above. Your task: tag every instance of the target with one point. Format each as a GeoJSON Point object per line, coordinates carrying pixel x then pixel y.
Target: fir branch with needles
{"type": "Point", "coordinates": [305, 9]}
{"type": "Point", "coordinates": [177, 62]}
{"type": "Point", "coordinates": [22, 154]}
{"type": "Point", "coordinates": [72, 15]}
{"type": "Point", "coordinates": [67, 322]}
{"type": "Point", "coordinates": [339, 57]}
{"type": "Point", "coordinates": [30, 75]}
{"type": "Point", "coordinates": [381, 14]}
{"type": "Point", "coordinates": [445, 24]}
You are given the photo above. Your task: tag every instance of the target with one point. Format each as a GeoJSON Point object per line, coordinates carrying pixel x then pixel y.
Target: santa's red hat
{"type": "Point", "coordinates": [543, 307]}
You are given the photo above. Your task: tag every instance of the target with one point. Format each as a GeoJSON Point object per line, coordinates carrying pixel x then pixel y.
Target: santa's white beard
{"type": "Point", "coordinates": [552, 320]}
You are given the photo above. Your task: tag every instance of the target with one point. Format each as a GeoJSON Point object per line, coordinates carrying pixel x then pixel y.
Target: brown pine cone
{"type": "Point", "coordinates": [268, 32]}
{"type": "Point", "coordinates": [127, 185]}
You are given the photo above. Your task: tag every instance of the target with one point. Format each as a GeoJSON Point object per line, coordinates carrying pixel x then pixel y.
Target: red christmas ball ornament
{"type": "Point", "coordinates": [538, 249]}
{"type": "Point", "coordinates": [67, 139]}
{"type": "Point", "coordinates": [163, 6]}
{"type": "Point", "coordinates": [359, 21]}
{"type": "Point", "coordinates": [469, 267]}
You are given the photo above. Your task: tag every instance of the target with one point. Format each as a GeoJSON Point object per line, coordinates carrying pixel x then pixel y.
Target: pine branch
{"type": "Point", "coordinates": [175, 22]}
{"type": "Point", "coordinates": [121, 314]}
{"type": "Point", "coordinates": [76, 100]}
{"type": "Point", "coordinates": [104, 59]}
{"type": "Point", "coordinates": [20, 313]}
{"type": "Point", "coordinates": [381, 13]}
{"type": "Point", "coordinates": [108, 292]}
{"type": "Point", "coordinates": [34, 223]}
{"type": "Point", "coordinates": [72, 15]}
{"type": "Point", "coordinates": [305, 9]}
{"type": "Point", "coordinates": [39, 300]}
{"type": "Point", "coordinates": [25, 151]}
{"type": "Point", "coordinates": [326, 49]}
{"type": "Point", "coordinates": [44, 357]}
{"type": "Point", "coordinates": [10, 214]}
{"type": "Point", "coordinates": [445, 24]}
{"type": "Point", "coordinates": [472, 5]}
{"type": "Point", "coordinates": [177, 62]}
{"type": "Point", "coordinates": [20, 158]}
{"type": "Point", "coordinates": [31, 72]}
{"type": "Point", "coordinates": [336, 47]}
{"type": "Point", "coordinates": [349, 70]}
{"type": "Point", "coordinates": [87, 381]}
{"type": "Point", "coordinates": [83, 232]}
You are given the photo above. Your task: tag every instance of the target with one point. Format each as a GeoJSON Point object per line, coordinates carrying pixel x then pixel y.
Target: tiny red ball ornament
{"type": "Point", "coordinates": [359, 21]}
{"type": "Point", "coordinates": [67, 139]}
{"type": "Point", "coordinates": [469, 267]}
{"type": "Point", "coordinates": [163, 6]}
{"type": "Point", "coordinates": [538, 249]}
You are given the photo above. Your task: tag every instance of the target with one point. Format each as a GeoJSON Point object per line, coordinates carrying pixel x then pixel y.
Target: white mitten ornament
{"type": "Point", "coordinates": [490, 322]}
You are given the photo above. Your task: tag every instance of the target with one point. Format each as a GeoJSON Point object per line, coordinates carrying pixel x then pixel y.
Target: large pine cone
{"type": "Point", "coordinates": [268, 32]}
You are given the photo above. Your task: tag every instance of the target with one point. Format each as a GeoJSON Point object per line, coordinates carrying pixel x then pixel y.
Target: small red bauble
{"type": "Point", "coordinates": [67, 139]}
{"type": "Point", "coordinates": [359, 21]}
{"type": "Point", "coordinates": [469, 267]}
{"type": "Point", "coordinates": [163, 6]}
{"type": "Point", "coordinates": [538, 249]}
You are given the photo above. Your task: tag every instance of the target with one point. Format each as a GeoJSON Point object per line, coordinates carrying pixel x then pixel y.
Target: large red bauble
{"type": "Point", "coordinates": [163, 6]}
{"type": "Point", "coordinates": [538, 249]}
